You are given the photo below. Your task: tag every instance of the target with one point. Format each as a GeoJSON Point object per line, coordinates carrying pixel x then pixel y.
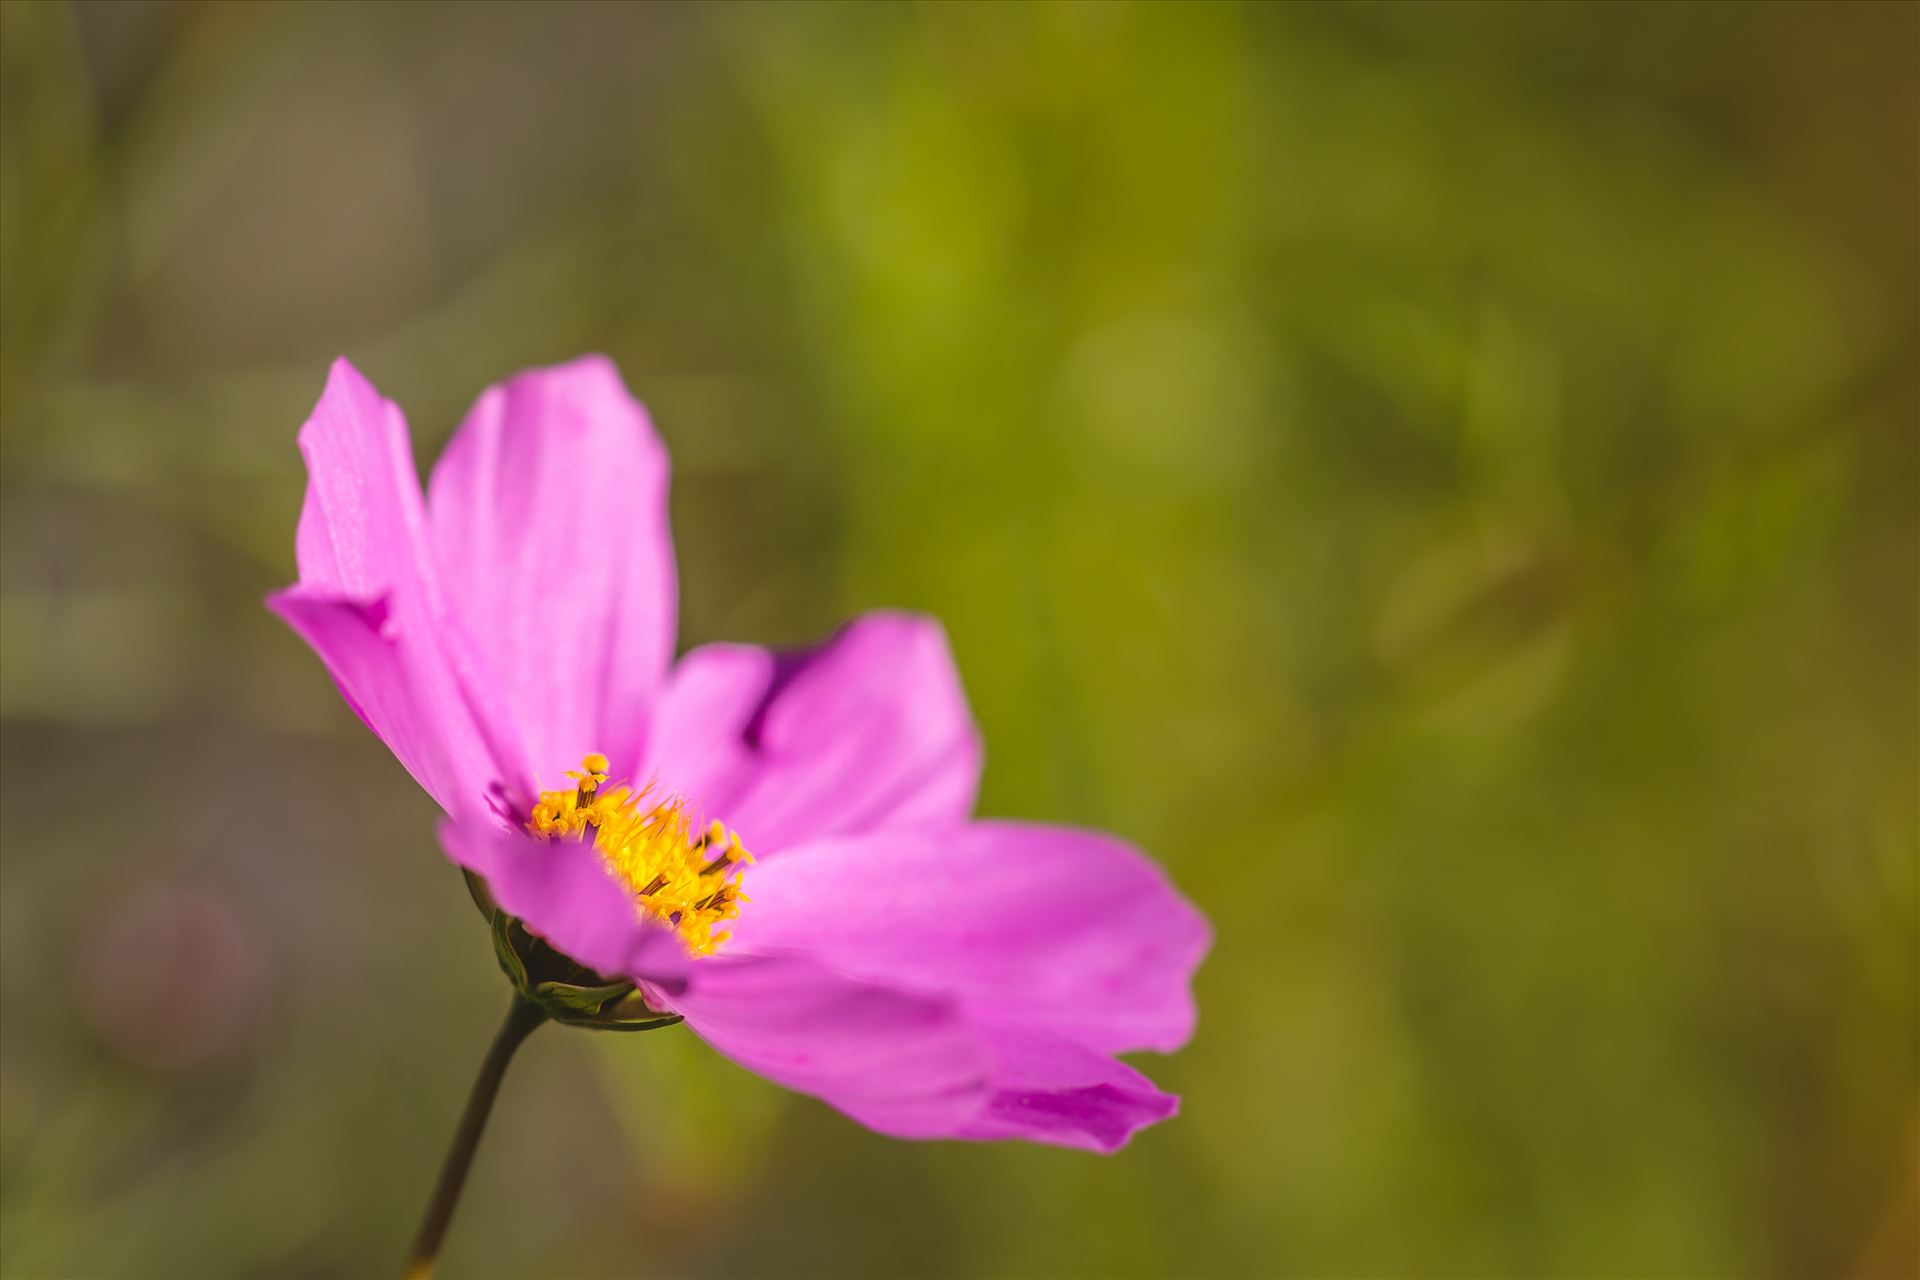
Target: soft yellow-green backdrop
{"type": "Point", "coordinates": [1442, 477]}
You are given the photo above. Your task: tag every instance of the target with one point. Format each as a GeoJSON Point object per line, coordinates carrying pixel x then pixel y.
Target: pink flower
{"type": "Point", "coordinates": [928, 974]}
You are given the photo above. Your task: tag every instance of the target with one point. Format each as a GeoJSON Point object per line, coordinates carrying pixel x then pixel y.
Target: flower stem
{"type": "Point", "coordinates": [522, 1017]}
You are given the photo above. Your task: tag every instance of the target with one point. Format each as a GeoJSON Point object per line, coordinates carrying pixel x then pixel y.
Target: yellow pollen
{"type": "Point", "coordinates": [690, 883]}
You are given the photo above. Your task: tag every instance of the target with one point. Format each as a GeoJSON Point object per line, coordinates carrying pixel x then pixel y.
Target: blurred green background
{"type": "Point", "coordinates": [1442, 477]}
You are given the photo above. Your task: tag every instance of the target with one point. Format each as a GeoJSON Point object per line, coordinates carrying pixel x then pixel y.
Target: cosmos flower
{"type": "Point", "coordinates": [776, 847]}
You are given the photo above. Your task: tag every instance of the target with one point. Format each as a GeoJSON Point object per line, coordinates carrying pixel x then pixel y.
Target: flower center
{"type": "Point", "coordinates": [651, 846]}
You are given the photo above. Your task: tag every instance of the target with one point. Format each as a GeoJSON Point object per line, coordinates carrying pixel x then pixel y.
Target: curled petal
{"type": "Point", "coordinates": [1053, 1091]}
{"type": "Point", "coordinates": [549, 510]}
{"type": "Point", "coordinates": [869, 730]}
{"type": "Point", "coordinates": [1071, 932]}
{"type": "Point", "coordinates": [371, 603]}
{"type": "Point", "coordinates": [909, 1064]}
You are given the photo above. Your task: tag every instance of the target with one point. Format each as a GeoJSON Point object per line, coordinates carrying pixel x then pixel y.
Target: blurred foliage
{"type": "Point", "coordinates": [1443, 477]}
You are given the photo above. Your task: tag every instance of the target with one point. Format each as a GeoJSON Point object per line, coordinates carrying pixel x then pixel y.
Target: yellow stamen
{"type": "Point", "coordinates": [652, 849]}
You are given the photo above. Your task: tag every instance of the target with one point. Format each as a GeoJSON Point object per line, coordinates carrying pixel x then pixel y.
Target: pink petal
{"type": "Point", "coordinates": [564, 892]}
{"type": "Point", "coordinates": [900, 1063]}
{"type": "Point", "coordinates": [1070, 932]}
{"type": "Point", "coordinates": [866, 731]}
{"type": "Point", "coordinates": [363, 529]}
{"type": "Point", "coordinates": [549, 508]}
{"type": "Point", "coordinates": [371, 604]}
{"type": "Point", "coordinates": [400, 686]}
{"type": "Point", "coordinates": [1053, 1091]}
{"type": "Point", "coordinates": [909, 1064]}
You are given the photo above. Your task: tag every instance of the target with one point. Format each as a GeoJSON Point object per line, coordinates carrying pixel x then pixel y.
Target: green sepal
{"type": "Point", "coordinates": [557, 996]}
{"type": "Point", "coordinates": [634, 1008]}
{"type": "Point", "coordinates": [577, 996]}
{"type": "Point", "coordinates": [633, 1013]}
{"type": "Point", "coordinates": [481, 895]}
{"type": "Point", "coordinates": [503, 950]}
{"type": "Point", "coordinates": [633, 1024]}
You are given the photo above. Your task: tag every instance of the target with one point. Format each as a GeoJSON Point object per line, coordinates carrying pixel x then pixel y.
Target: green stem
{"type": "Point", "coordinates": [522, 1017]}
